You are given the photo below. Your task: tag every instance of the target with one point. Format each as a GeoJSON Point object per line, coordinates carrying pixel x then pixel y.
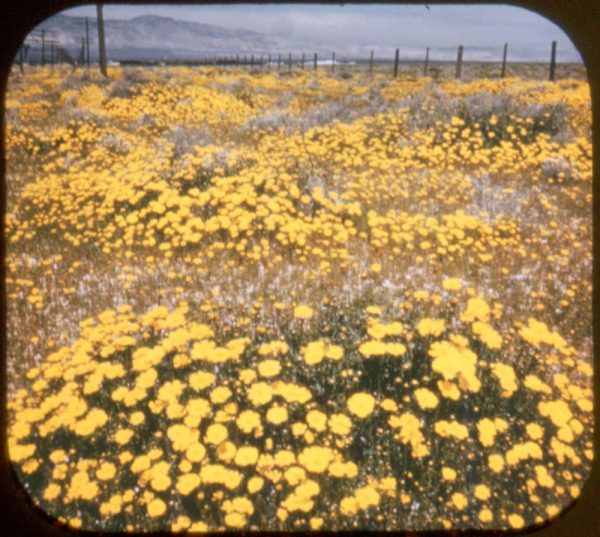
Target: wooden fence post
{"type": "Point", "coordinates": [87, 43]}
{"type": "Point", "coordinates": [290, 61]}
{"type": "Point", "coordinates": [269, 63]}
{"type": "Point", "coordinates": [371, 62]}
{"type": "Point", "coordinates": [396, 60]}
{"type": "Point", "coordinates": [426, 62]}
{"type": "Point", "coordinates": [315, 61]}
{"type": "Point", "coordinates": [43, 60]}
{"type": "Point", "coordinates": [553, 61]}
{"type": "Point", "coordinates": [21, 58]}
{"type": "Point", "coordinates": [332, 62]}
{"type": "Point", "coordinates": [459, 60]}
{"type": "Point", "coordinates": [81, 60]}
{"type": "Point", "coordinates": [303, 61]}
{"type": "Point", "coordinates": [504, 55]}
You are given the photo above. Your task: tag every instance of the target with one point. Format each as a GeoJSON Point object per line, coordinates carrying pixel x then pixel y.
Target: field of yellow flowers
{"type": "Point", "coordinates": [241, 299]}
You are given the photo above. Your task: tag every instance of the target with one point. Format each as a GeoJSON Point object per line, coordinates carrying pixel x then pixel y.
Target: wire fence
{"type": "Point", "coordinates": [42, 48]}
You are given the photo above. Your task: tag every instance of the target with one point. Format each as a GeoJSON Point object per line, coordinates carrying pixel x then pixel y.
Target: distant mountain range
{"type": "Point", "coordinates": [155, 37]}
{"type": "Point", "coordinates": [151, 37]}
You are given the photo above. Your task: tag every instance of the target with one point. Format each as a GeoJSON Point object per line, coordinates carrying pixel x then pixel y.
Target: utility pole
{"type": "Point", "coordinates": [101, 43]}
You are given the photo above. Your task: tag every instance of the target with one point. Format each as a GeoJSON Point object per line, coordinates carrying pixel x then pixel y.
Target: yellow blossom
{"type": "Point", "coordinates": [361, 404]}
{"type": "Point", "coordinates": [426, 398]}
{"type": "Point", "coordinates": [156, 508]}
{"type": "Point", "coordinates": [303, 312]}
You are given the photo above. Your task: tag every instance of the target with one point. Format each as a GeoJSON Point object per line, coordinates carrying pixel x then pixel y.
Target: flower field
{"type": "Point", "coordinates": [242, 299]}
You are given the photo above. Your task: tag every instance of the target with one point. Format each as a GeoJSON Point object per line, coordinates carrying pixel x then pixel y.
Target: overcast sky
{"type": "Point", "coordinates": [405, 26]}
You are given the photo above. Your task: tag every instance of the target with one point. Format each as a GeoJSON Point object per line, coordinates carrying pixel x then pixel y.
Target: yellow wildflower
{"type": "Point", "coordinates": [361, 404]}
{"type": "Point", "coordinates": [303, 311]}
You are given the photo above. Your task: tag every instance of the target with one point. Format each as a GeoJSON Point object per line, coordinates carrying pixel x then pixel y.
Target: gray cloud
{"type": "Point", "coordinates": [379, 26]}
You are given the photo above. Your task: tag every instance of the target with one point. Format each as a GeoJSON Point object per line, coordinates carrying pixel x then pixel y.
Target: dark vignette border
{"type": "Point", "coordinates": [579, 19]}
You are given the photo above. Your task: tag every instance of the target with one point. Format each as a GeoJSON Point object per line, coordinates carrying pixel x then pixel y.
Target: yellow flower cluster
{"type": "Point", "coordinates": [251, 300]}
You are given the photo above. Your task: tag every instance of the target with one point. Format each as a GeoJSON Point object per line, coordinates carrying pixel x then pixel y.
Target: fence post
{"type": "Point", "coordinates": [87, 42]}
{"type": "Point", "coordinates": [332, 62]}
{"type": "Point", "coordinates": [371, 62]}
{"type": "Point", "coordinates": [504, 54]}
{"type": "Point", "coordinates": [459, 60]}
{"type": "Point", "coordinates": [269, 63]}
{"type": "Point", "coordinates": [553, 62]}
{"type": "Point", "coordinates": [279, 62]}
{"type": "Point", "coordinates": [396, 59]}
{"type": "Point", "coordinates": [21, 58]}
{"type": "Point", "coordinates": [315, 61]}
{"type": "Point", "coordinates": [43, 60]}
{"type": "Point", "coordinates": [303, 61]}
{"type": "Point", "coordinates": [290, 61]}
{"type": "Point", "coordinates": [426, 62]}
{"type": "Point", "coordinates": [101, 43]}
